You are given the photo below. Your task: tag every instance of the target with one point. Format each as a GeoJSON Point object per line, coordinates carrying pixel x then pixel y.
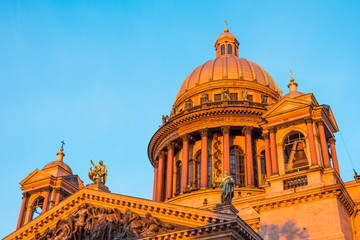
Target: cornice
{"type": "Point", "coordinates": [178, 121]}
{"type": "Point", "coordinates": [185, 216]}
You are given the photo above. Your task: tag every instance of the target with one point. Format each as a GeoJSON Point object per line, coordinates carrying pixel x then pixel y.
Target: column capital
{"type": "Point", "coordinates": [332, 140]}
{"type": "Point", "coordinates": [308, 120]}
{"type": "Point", "coordinates": [204, 132]}
{"type": "Point", "coordinates": [170, 145]}
{"type": "Point", "coordinates": [162, 154]}
{"type": "Point", "coordinates": [247, 130]}
{"type": "Point", "coordinates": [319, 122]}
{"type": "Point", "coordinates": [265, 135]}
{"type": "Point", "coordinates": [272, 130]}
{"type": "Point", "coordinates": [225, 129]}
{"type": "Point", "coordinates": [185, 137]}
{"type": "Point", "coordinates": [156, 164]}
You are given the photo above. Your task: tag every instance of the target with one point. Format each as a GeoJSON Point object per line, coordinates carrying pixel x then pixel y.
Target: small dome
{"type": "Point", "coordinates": [60, 164]}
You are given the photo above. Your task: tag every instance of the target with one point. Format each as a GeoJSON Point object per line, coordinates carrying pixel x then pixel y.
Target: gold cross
{"type": "Point", "coordinates": [62, 144]}
{"type": "Point", "coordinates": [226, 24]}
{"type": "Point", "coordinates": [291, 73]}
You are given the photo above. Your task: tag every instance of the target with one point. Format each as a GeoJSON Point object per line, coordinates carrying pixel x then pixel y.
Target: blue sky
{"type": "Point", "coordinates": [100, 75]}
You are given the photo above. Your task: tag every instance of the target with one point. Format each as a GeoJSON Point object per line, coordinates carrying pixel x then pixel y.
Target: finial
{"type": "Point", "coordinates": [226, 28]}
{"type": "Point", "coordinates": [292, 85]}
{"type": "Point", "coordinates": [61, 154]}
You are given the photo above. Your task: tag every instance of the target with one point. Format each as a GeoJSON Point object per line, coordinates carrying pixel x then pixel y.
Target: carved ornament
{"type": "Point", "coordinates": [162, 154]}
{"type": "Point", "coordinates": [204, 132]}
{"type": "Point", "coordinates": [185, 137]}
{"type": "Point", "coordinates": [332, 140]}
{"type": "Point", "coordinates": [265, 135]}
{"type": "Point", "coordinates": [247, 130]}
{"type": "Point", "coordinates": [225, 129]}
{"type": "Point", "coordinates": [170, 145]}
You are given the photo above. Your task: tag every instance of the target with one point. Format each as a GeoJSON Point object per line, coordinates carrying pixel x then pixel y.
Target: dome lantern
{"type": "Point", "coordinates": [226, 44]}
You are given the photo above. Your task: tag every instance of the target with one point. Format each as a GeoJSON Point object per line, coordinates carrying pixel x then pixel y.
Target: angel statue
{"type": "Point", "coordinates": [99, 174]}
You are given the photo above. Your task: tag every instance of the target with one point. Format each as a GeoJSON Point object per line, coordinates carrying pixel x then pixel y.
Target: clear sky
{"type": "Point", "coordinates": [100, 74]}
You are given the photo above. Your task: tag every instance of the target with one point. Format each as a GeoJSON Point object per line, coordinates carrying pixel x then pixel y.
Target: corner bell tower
{"type": "Point", "coordinates": [45, 188]}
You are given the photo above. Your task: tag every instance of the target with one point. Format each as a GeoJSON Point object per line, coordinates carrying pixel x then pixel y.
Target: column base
{"type": "Point", "coordinates": [98, 186]}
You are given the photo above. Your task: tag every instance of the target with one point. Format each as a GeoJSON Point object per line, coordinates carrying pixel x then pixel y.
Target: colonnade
{"type": "Point", "coordinates": [168, 156]}
{"type": "Point", "coordinates": [163, 175]}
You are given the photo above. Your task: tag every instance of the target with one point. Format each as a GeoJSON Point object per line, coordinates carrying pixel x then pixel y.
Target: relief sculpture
{"type": "Point", "coordinates": [90, 223]}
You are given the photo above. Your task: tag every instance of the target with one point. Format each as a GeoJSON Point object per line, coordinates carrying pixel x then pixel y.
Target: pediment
{"type": "Point", "coordinates": [35, 176]}
{"type": "Point", "coordinates": [97, 211]}
{"type": "Point", "coordinates": [286, 105]}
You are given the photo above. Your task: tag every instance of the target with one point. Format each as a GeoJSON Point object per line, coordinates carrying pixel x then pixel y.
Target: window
{"type": "Point", "coordinates": [295, 151]}
{"type": "Point", "coordinates": [250, 97]}
{"type": "Point", "coordinates": [233, 96]}
{"type": "Point", "coordinates": [217, 97]}
{"type": "Point", "coordinates": [222, 49]}
{"type": "Point", "coordinates": [197, 160]}
{"type": "Point", "coordinates": [178, 178]}
{"type": "Point", "coordinates": [263, 166]}
{"type": "Point", "coordinates": [37, 207]}
{"type": "Point", "coordinates": [229, 49]}
{"type": "Point", "coordinates": [237, 166]}
{"type": "Point", "coordinates": [209, 171]}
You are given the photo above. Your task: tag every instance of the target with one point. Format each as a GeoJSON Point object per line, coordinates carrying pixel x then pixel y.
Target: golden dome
{"type": "Point", "coordinates": [230, 68]}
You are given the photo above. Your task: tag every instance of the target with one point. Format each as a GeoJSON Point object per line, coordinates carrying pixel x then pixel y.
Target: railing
{"type": "Point", "coordinates": [295, 182]}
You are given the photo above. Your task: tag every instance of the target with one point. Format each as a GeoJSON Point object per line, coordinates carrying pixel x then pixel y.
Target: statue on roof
{"type": "Point", "coordinates": [99, 174]}
{"type": "Point", "coordinates": [227, 188]}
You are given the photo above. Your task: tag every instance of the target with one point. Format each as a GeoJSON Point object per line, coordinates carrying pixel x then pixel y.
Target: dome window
{"type": "Point", "coordinates": [222, 49]}
{"type": "Point", "coordinates": [229, 49]}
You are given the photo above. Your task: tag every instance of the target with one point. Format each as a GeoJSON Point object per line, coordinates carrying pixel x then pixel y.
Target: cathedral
{"type": "Point", "coordinates": [229, 118]}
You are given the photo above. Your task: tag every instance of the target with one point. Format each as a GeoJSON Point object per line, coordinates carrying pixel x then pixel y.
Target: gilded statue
{"type": "Point", "coordinates": [99, 174]}
{"type": "Point", "coordinates": [227, 188]}
{"type": "Point", "coordinates": [244, 94]}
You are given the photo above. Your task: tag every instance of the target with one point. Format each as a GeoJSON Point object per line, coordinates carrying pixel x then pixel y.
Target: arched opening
{"type": "Point", "coordinates": [178, 178]}
{"type": "Point", "coordinates": [37, 207]}
{"type": "Point", "coordinates": [263, 167]}
{"type": "Point", "coordinates": [229, 49]}
{"type": "Point", "coordinates": [197, 160]}
{"type": "Point", "coordinates": [222, 49]}
{"type": "Point", "coordinates": [295, 152]}
{"type": "Point", "coordinates": [237, 166]}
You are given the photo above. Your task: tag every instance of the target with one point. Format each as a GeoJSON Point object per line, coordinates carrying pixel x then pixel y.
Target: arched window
{"type": "Point", "coordinates": [197, 161]}
{"type": "Point", "coordinates": [222, 49]}
{"type": "Point", "coordinates": [178, 177]}
{"type": "Point", "coordinates": [295, 152]}
{"type": "Point", "coordinates": [229, 49]}
{"type": "Point", "coordinates": [237, 166]}
{"type": "Point", "coordinates": [209, 171]}
{"type": "Point", "coordinates": [263, 166]}
{"type": "Point", "coordinates": [37, 207]}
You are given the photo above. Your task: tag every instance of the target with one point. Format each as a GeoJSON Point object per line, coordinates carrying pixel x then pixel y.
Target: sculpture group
{"type": "Point", "coordinates": [99, 174]}
{"type": "Point", "coordinates": [90, 223]}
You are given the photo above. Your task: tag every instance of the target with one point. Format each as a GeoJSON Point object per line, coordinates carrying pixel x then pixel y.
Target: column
{"type": "Point", "coordinates": [311, 141]}
{"type": "Point", "coordinates": [46, 201]}
{"type": "Point", "coordinates": [267, 155]}
{"type": "Point", "coordinates": [169, 172]}
{"type": "Point", "coordinates": [333, 154]}
{"type": "Point", "coordinates": [185, 163]}
{"type": "Point", "coordinates": [324, 147]}
{"type": "Point", "coordinates": [258, 162]}
{"type": "Point", "coordinates": [274, 164]}
{"type": "Point", "coordinates": [204, 158]}
{"type": "Point", "coordinates": [57, 196]}
{"type": "Point", "coordinates": [226, 148]}
{"type": "Point", "coordinates": [22, 211]}
{"type": "Point", "coordinates": [249, 156]}
{"type": "Point", "coordinates": [161, 171]}
{"type": "Point", "coordinates": [156, 167]}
